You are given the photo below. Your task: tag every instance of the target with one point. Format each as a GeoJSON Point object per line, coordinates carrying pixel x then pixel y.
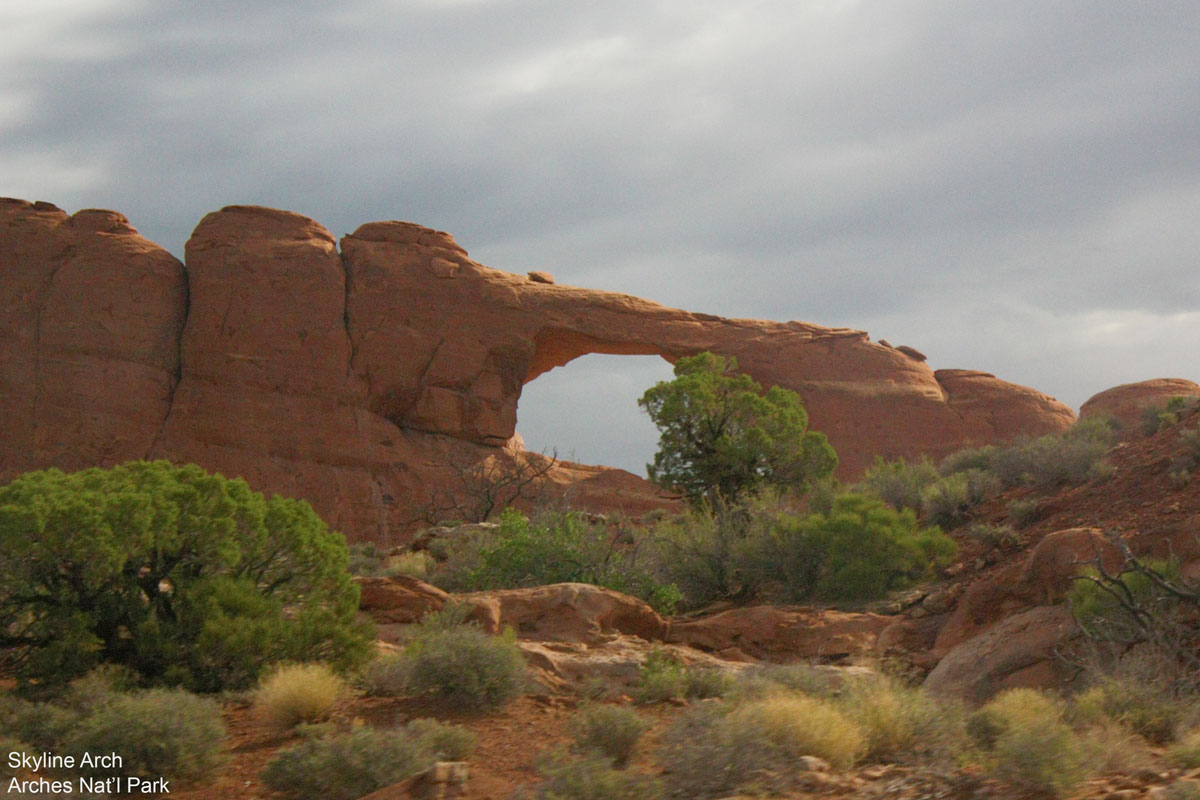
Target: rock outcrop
{"type": "Point", "coordinates": [363, 377]}
{"type": "Point", "coordinates": [1128, 402]}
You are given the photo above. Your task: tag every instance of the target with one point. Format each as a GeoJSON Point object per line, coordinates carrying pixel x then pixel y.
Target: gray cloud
{"type": "Point", "coordinates": [1005, 185]}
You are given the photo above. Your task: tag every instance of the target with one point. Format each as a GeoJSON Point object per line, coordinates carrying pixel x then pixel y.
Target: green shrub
{"type": "Point", "coordinates": [1101, 604]}
{"type": "Point", "coordinates": [799, 725]}
{"type": "Point", "coordinates": [722, 436]}
{"type": "Point", "coordinates": [969, 458]}
{"type": "Point", "coordinates": [1024, 513]}
{"type": "Point", "coordinates": [387, 675]}
{"type": "Point", "coordinates": [1160, 417]}
{"type": "Point", "coordinates": [592, 777]}
{"type": "Point", "coordinates": [551, 548]}
{"type": "Point", "coordinates": [346, 766]}
{"type": "Point", "coordinates": [999, 537]}
{"type": "Point", "coordinates": [1144, 707]}
{"type": "Point", "coordinates": [612, 731]}
{"type": "Point", "coordinates": [1185, 753]}
{"type": "Point", "coordinates": [185, 577]}
{"type": "Point", "coordinates": [900, 483]}
{"type": "Point", "coordinates": [160, 732]}
{"type": "Point", "coordinates": [662, 677]}
{"type": "Point", "coordinates": [705, 754]}
{"type": "Point", "coordinates": [868, 549]}
{"type": "Point", "coordinates": [445, 741]}
{"type": "Point", "coordinates": [297, 693]}
{"type": "Point", "coordinates": [946, 502]}
{"type": "Point", "coordinates": [465, 667]}
{"type": "Point", "coordinates": [707, 682]}
{"type": "Point", "coordinates": [41, 725]}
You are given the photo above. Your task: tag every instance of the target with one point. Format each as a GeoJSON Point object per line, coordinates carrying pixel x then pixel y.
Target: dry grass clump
{"type": "Point", "coordinates": [799, 725]}
{"type": "Point", "coordinates": [903, 723]}
{"type": "Point", "coordinates": [612, 731]}
{"type": "Point", "coordinates": [296, 693]}
{"type": "Point", "coordinates": [1185, 753]}
{"type": "Point", "coordinates": [1029, 745]}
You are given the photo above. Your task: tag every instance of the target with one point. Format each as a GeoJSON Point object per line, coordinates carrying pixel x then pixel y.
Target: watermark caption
{"type": "Point", "coordinates": [30, 780]}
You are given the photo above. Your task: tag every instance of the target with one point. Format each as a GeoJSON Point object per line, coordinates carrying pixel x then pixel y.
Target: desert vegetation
{"type": "Point", "coordinates": [165, 613]}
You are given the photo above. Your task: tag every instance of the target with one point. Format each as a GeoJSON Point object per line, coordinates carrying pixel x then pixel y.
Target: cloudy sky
{"type": "Point", "coordinates": [1007, 185]}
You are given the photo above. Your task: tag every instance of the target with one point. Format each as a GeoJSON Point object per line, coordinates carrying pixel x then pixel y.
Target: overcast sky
{"type": "Point", "coordinates": [1005, 185]}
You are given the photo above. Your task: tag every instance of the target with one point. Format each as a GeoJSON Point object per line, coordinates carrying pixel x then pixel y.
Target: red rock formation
{"type": "Point", "coordinates": [1128, 402]}
{"type": "Point", "coordinates": [358, 379]}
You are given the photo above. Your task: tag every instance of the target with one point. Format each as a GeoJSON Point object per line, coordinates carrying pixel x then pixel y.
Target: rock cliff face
{"type": "Point", "coordinates": [356, 376]}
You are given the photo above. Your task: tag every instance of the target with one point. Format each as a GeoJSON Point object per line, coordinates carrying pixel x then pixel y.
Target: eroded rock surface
{"type": "Point", "coordinates": [358, 377]}
{"type": "Point", "coordinates": [1128, 402]}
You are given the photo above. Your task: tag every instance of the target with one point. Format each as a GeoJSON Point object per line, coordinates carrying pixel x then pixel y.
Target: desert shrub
{"type": "Point", "coordinates": [1115, 750]}
{"type": "Point", "coordinates": [612, 731]}
{"type": "Point", "coordinates": [661, 677]}
{"type": "Point", "coordinates": [417, 564]}
{"type": "Point", "coordinates": [1147, 708]}
{"type": "Point", "coordinates": [165, 732]}
{"type": "Point", "coordinates": [1185, 753]}
{"type": "Point", "coordinates": [551, 548]}
{"type": "Point", "coordinates": [1000, 537]}
{"type": "Point", "coordinates": [1024, 513]}
{"type": "Point", "coordinates": [592, 777]}
{"type": "Point", "coordinates": [697, 552]}
{"type": "Point", "coordinates": [186, 578]}
{"type": "Point", "coordinates": [445, 741]}
{"type": "Point", "coordinates": [797, 725]}
{"type": "Point", "coordinates": [1158, 417]}
{"type": "Point", "coordinates": [387, 675]}
{"type": "Point", "coordinates": [297, 693]}
{"type": "Point", "coordinates": [1183, 789]}
{"type": "Point", "coordinates": [465, 667]}
{"type": "Point", "coordinates": [868, 549]}
{"type": "Point", "coordinates": [41, 725]}
{"type": "Point", "coordinates": [346, 766]}
{"type": "Point", "coordinates": [969, 458]}
{"type": "Point", "coordinates": [9, 744]}
{"type": "Point", "coordinates": [986, 725]}
{"type": "Point", "coordinates": [946, 502]}
{"type": "Point", "coordinates": [705, 754]}
{"type": "Point", "coordinates": [707, 682]}
{"type": "Point", "coordinates": [900, 483]}
{"type": "Point", "coordinates": [1042, 757]}
{"type": "Point", "coordinates": [367, 559]}
{"type": "Point", "coordinates": [902, 723]}
{"type": "Point", "coordinates": [771, 678]}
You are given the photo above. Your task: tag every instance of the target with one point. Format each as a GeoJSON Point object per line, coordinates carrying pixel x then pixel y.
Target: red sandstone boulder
{"type": "Point", "coordinates": [782, 633]}
{"type": "Point", "coordinates": [1128, 402]}
{"type": "Point", "coordinates": [399, 598]}
{"type": "Point", "coordinates": [566, 612]}
{"type": "Point", "coordinates": [1020, 651]}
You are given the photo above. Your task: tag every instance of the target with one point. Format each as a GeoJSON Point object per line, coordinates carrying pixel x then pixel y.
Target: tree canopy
{"type": "Point", "coordinates": [187, 578]}
{"type": "Point", "coordinates": [722, 435]}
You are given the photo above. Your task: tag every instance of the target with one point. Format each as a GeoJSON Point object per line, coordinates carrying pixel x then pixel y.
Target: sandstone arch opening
{"type": "Point", "coordinates": [588, 410]}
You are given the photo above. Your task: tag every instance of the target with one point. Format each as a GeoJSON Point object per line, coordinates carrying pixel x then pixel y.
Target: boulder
{"type": "Point", "coordinates": [399, 599]}
{"type": "Point", "coordinates": [1128, 402]}
{"type": "Point", "coordinates": [1019, 651]}
{"type": "Point", "coordinates": [566, 612]}
{"type": "Point", "coordinates": [783, 633]}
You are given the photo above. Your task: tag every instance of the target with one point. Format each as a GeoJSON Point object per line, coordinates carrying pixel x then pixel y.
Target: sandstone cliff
{"type": "Point", "coordinates": [355, 375]}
